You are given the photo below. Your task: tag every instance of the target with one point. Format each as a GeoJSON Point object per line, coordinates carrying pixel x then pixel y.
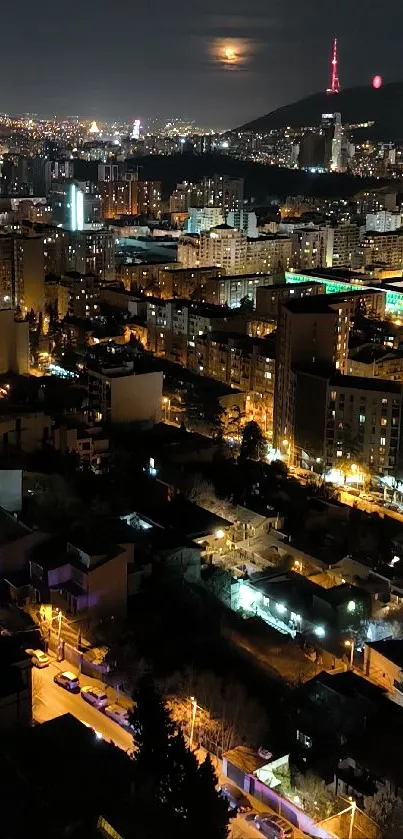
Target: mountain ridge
{"type": "Point", "coordinates": [357, 105]}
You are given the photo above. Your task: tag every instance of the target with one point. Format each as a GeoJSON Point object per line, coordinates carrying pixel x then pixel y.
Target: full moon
{"type": "Point", "coordinates": [230, 55]}
{"type": "Point", "coordinates": [377, 82]}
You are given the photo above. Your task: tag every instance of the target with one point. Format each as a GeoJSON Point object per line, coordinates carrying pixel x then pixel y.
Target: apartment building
{"type": "Point", "coordinates": [119, 394]}
{"type": "Point", "coordinates": [84, 251]}
{"type": "Point", "coordinates": [312, 330]}
{"type": "Point", "coordinates": [84, 294]}
{"type": "Point", "coordinates": [185, 282]}
{"type": "Point", "coordinates": [149, 198]}
{"type": "Point", "coordinates": [342, 246]}
{"type": "Point", "coordinates": [231, 290]}
{"type": "Point", "coordinates": [384, 249]}
{"type": "Point", "coordinates": [203, 218]}
{"type": "Point", "coordinates": [309, 247]}
{"type": "Point", "coordinates": [143, 275]}
{"type": "Point", "coordinates": [269, 298]}
{"type": "Point", "coordinates": [223, 191]}
{"type": "Point", "coordinates": [232, 251]}
{"type": "Point", "coordinates": [349, 418]}
{"type": "Point", "coordinates": [223, 246]}
{"type": "Point", "coordinates": [375, 362]}
{"type": "Point", "coordinates": [271, 254]}
{"type": "Point", "coordinates": [384, 221]}
{"type": "Point", "coordinates": [243, 363]}
{"type": "Point", "coordinates": [173, 325]}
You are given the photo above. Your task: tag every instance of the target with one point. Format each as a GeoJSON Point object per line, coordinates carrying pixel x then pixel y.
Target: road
{"type": "Point", "coordinates": [50, 700]}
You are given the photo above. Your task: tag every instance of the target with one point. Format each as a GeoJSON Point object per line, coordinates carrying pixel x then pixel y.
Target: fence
{"type": "Point", "coordinates": [78, 659]}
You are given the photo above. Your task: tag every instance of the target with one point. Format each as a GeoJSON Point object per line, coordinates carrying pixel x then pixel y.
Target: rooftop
{"type": "Point", "coordinates": [190, 520]}
{"type": "Point", "coordinates": [101, 777]}
{"type": "Point", "coordinates": [336, 379]}
{"type": "Point", "coordinates": [327, 302]}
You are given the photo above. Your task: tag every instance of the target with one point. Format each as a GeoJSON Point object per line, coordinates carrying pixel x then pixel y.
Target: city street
{"type": "Point", "coordinates": [50, 700]}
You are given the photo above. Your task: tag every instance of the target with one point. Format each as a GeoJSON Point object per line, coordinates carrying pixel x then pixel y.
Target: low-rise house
{"type": "Point", "coordinates": [16, 543]}
{"type": "Point", "coordinates": [330, 710]}
{"type": "Point", "coordinates": [294, 604]}
{"type": "Point", "coordinates": [91, 444]}
{"type": "Point", "coordinates": [87, 574]}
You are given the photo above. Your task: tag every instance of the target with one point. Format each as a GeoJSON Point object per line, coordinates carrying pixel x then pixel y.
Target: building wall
{"type": "Point", "coordinates": [229, 291]}
{"type": "Point", "coordinates": [304, 337]}
{"type": "Point", "coordinates": [107, 586]}
{"type": "Point", "coordinates": [27, 431]}
{"type": "Point", "coordinates": [33, 274]}
{"type": "Point", "coordinates": [179, 282]}
{"type": "Point", "coordinates": [342, 246]}
{"type": "Point", "coordinates": [14, 344]}
{"type": "Point", "coordinates": [137, 398]}
{"type": "Point", "coordinates": [269, 298]}
{"type": "Point", "coordinates": [380, 669]}
{"type": "Point", "coordinates": [364, 425]}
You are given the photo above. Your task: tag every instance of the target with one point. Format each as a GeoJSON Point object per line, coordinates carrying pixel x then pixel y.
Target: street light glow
{"type": "Point", "coordinates": [281, 608]}
{"type": "Point", "coordinates": [319, 631]}
{"type": "Point", "coordinates": [219, 534]}
{"type": "Point", "coordinates": [351, 606]}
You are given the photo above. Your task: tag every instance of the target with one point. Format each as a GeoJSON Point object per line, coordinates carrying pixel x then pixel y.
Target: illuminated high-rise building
{"type": "Point", "coordinates": [118, 191]}
{"type": "Point", "coordinates": [136, 129]}
{"type": "Point", "coordinates": [224, 192]}
{"type": "Point", "coordinates": [149, 198]}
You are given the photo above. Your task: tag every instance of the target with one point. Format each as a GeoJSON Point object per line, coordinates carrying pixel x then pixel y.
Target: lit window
{"type": "Point", "coordinates": [362, 417]}
{"type": "Point", "coordinates": [383, 441]}
{"type": "Point", "coordinates": [267, 375]}
{"type": "Point", "coordinates": [339, 453]}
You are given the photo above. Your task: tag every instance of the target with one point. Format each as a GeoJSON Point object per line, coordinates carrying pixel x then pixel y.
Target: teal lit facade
{"type": "Point", "coordinates": [394, 299]}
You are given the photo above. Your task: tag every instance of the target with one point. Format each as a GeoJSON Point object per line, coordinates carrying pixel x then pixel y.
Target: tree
{"type": "Point", "coordinates": [253, 443]}
{"type": "Point", "coordinates": [168, 781]}
{"type": "Point", "coordinates": [316, 799]}
{"type": "Point", "coordinates": [213, 813]}
{"type": "Point", "coordinates": [387, 811]}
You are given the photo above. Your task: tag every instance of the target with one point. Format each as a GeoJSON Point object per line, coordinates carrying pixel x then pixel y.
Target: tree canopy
{"type": "Point", "coordinates": [174, 794]}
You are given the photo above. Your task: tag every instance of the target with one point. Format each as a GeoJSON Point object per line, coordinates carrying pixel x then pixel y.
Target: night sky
{"type": "Point", "coordinates": [144, 58]}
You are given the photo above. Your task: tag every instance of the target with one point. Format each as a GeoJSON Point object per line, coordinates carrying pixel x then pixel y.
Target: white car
{"type": "Point", "coordinates": [95, 696]}
{"type": "Point", "coordinates": [39, 658]}
{"type": "Point", "coordinates": [117, 713]}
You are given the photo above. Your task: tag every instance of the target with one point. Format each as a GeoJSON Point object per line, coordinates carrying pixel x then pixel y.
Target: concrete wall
{"type": "Point", "coordinates": [137, 398]}
{"type": "Point", "coordinates": [107, 586]}
{"type": "Point", "coordinates": [380, 669]}
{"type": "Point", "coordinates": [33, 274]}
{"type": "Point", "coordinates": [14, 344]}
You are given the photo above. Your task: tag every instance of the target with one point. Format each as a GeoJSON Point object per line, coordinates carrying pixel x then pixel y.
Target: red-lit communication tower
{"type": "Point", "coordinates": [334, 77]}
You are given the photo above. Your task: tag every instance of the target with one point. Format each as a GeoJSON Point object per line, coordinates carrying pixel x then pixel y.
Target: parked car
{"type": "Point", "coordinates": [235, 797]}
{"type": "Point", "coordinates": [68, 681]}
{"type": "Point", "coordinates": [117, 713]}
{"type": "Point", "coordinates": [95, 696]}
{"type": "Point", "coordinates": [273, 827]}
{"type": "Point", "coordinates": [39, 658]}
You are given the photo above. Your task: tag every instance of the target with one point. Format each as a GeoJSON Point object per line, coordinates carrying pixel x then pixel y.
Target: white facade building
{"type": "Point", "coordinates": [383, 222]}
{"type": "Point", "coordinates": [203, 218]}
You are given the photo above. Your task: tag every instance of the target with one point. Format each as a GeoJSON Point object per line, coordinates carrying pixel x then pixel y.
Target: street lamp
{"type": "Point", "coordinates": [193, 718]}
{"type": "Point", "coordinates": [351, 645]}
{"type": "Point", "coordinates": [353, 809]}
